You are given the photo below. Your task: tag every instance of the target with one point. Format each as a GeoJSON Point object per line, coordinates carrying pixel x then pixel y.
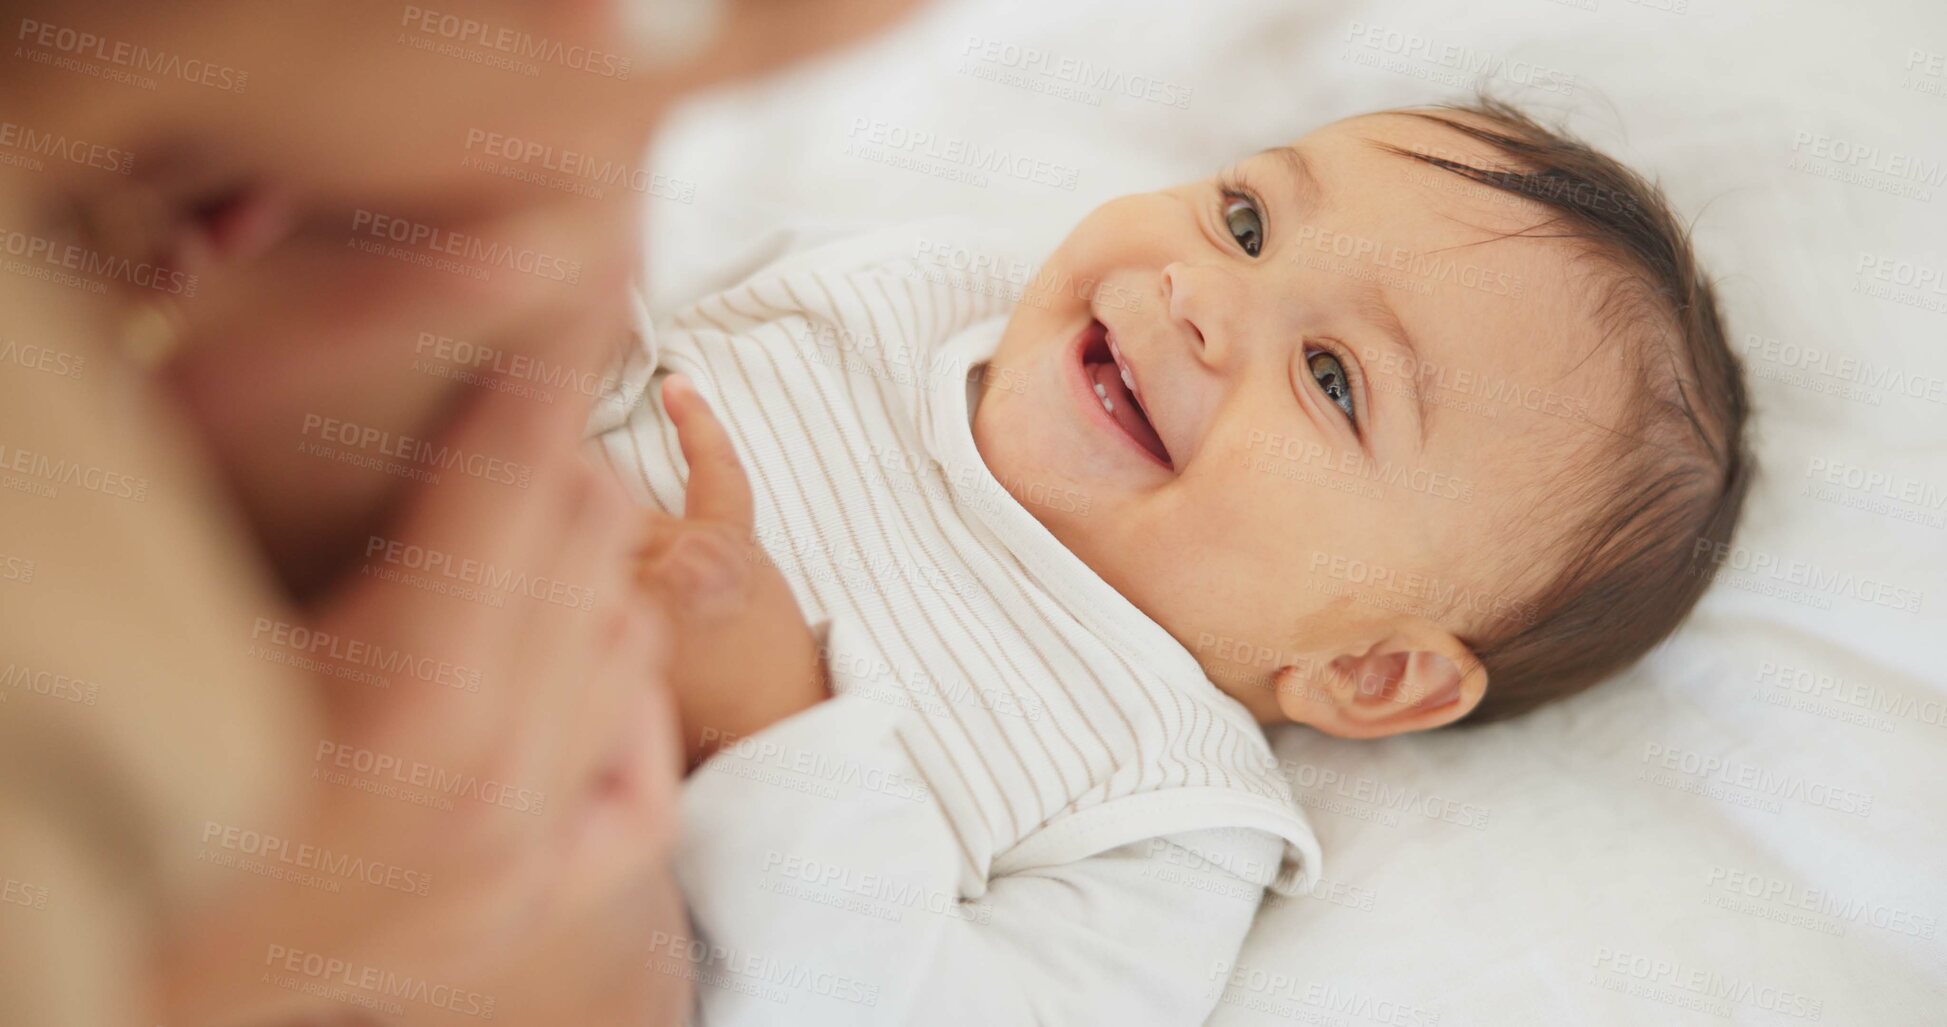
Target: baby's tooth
{"type": "Point", "coordinates": [1109, 405]}
{"type": "Point", "coordinates": [1100, 391]}
{"type": "Point", "coordinates": [1128, 381]}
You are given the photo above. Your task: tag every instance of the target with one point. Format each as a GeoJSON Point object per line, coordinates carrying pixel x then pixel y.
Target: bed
{"type": "Point", "coordinates": [1749, 826]}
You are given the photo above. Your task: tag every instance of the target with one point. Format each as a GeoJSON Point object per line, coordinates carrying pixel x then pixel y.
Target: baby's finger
{"type": "Point", "coordinates": [718, 489]}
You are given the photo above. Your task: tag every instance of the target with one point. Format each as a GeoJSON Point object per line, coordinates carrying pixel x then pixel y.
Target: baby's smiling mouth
{"type": "Point", "coordinates": [1105, 370]}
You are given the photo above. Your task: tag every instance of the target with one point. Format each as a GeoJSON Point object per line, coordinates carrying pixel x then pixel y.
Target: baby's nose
{"type": "Point", "coordinates": [1178, 298]}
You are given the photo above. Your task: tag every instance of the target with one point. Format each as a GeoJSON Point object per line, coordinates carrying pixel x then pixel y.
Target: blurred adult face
{"type": "Point", "coordinates": [387, 204]}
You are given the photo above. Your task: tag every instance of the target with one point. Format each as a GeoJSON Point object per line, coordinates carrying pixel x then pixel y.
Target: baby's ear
{"type": "Point", "coordinates": [1415, 680]}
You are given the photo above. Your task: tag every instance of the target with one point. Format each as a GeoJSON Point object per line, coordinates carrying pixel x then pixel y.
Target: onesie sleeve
{"type": "Point", "coordinates": [822, 881]}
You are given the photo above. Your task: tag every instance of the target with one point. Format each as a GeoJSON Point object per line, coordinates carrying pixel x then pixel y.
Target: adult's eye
{"type": "Point", "coordinates": [1244, 223]}
{"type": "Point", "coordinates": [1330, 376]}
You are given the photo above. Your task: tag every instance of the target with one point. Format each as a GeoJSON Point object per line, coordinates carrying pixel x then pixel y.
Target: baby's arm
{"type": "Point", "coordinates": [1143, 934]}
{"type": "Point", "coordinates": [824, 883]}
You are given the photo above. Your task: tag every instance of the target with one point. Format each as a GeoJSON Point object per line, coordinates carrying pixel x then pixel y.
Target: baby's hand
{"type": "Point", "coordinates": [744, 658]}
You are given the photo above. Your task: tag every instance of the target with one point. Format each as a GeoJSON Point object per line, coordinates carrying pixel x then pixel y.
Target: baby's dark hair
{"type": "Point", "coordinates": [1644, 521]}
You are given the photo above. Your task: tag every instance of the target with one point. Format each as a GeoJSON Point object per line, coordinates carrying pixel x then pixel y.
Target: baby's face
{"type": "Point", "coordinates": [1347, 389]}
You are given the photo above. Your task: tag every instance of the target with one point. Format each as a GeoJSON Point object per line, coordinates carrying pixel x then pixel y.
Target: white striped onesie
{"type": "Point", "coordinates": [1025, 802]}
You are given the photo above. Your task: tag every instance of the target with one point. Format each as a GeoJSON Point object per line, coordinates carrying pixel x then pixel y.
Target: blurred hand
{"type": "Point", "coordinates": [529, 907]}
{"type": "Point", "coordinates": [355, 114]}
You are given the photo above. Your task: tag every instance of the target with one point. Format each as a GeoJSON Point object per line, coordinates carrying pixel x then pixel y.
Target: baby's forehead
{"type": "Point", "coordinates": [1521, 355]}
{"type": "Point", "coordinates": [1483, 280]}
{"type": "Point", "coordinates": [1412, 132]}
{"type": "Point", "coordinates": [1403, 168]}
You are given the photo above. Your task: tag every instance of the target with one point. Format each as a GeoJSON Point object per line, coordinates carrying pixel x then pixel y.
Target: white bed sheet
{"type": "Point", "coordinates": [1579, 866]}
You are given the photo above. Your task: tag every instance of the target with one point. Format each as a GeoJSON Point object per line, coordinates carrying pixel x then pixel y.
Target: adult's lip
{"type": "Point", "coordinates": [1105, 383]}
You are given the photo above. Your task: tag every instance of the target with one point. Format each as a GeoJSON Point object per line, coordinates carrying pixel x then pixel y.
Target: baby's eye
{"type": "Point", "coordinates": [1330, 376]}
{"type": "Point", "coordinates": [1244, 223]}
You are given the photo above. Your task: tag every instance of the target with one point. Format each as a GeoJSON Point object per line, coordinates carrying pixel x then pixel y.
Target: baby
{"type": "Point", "coordinates": [1424, 418]}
